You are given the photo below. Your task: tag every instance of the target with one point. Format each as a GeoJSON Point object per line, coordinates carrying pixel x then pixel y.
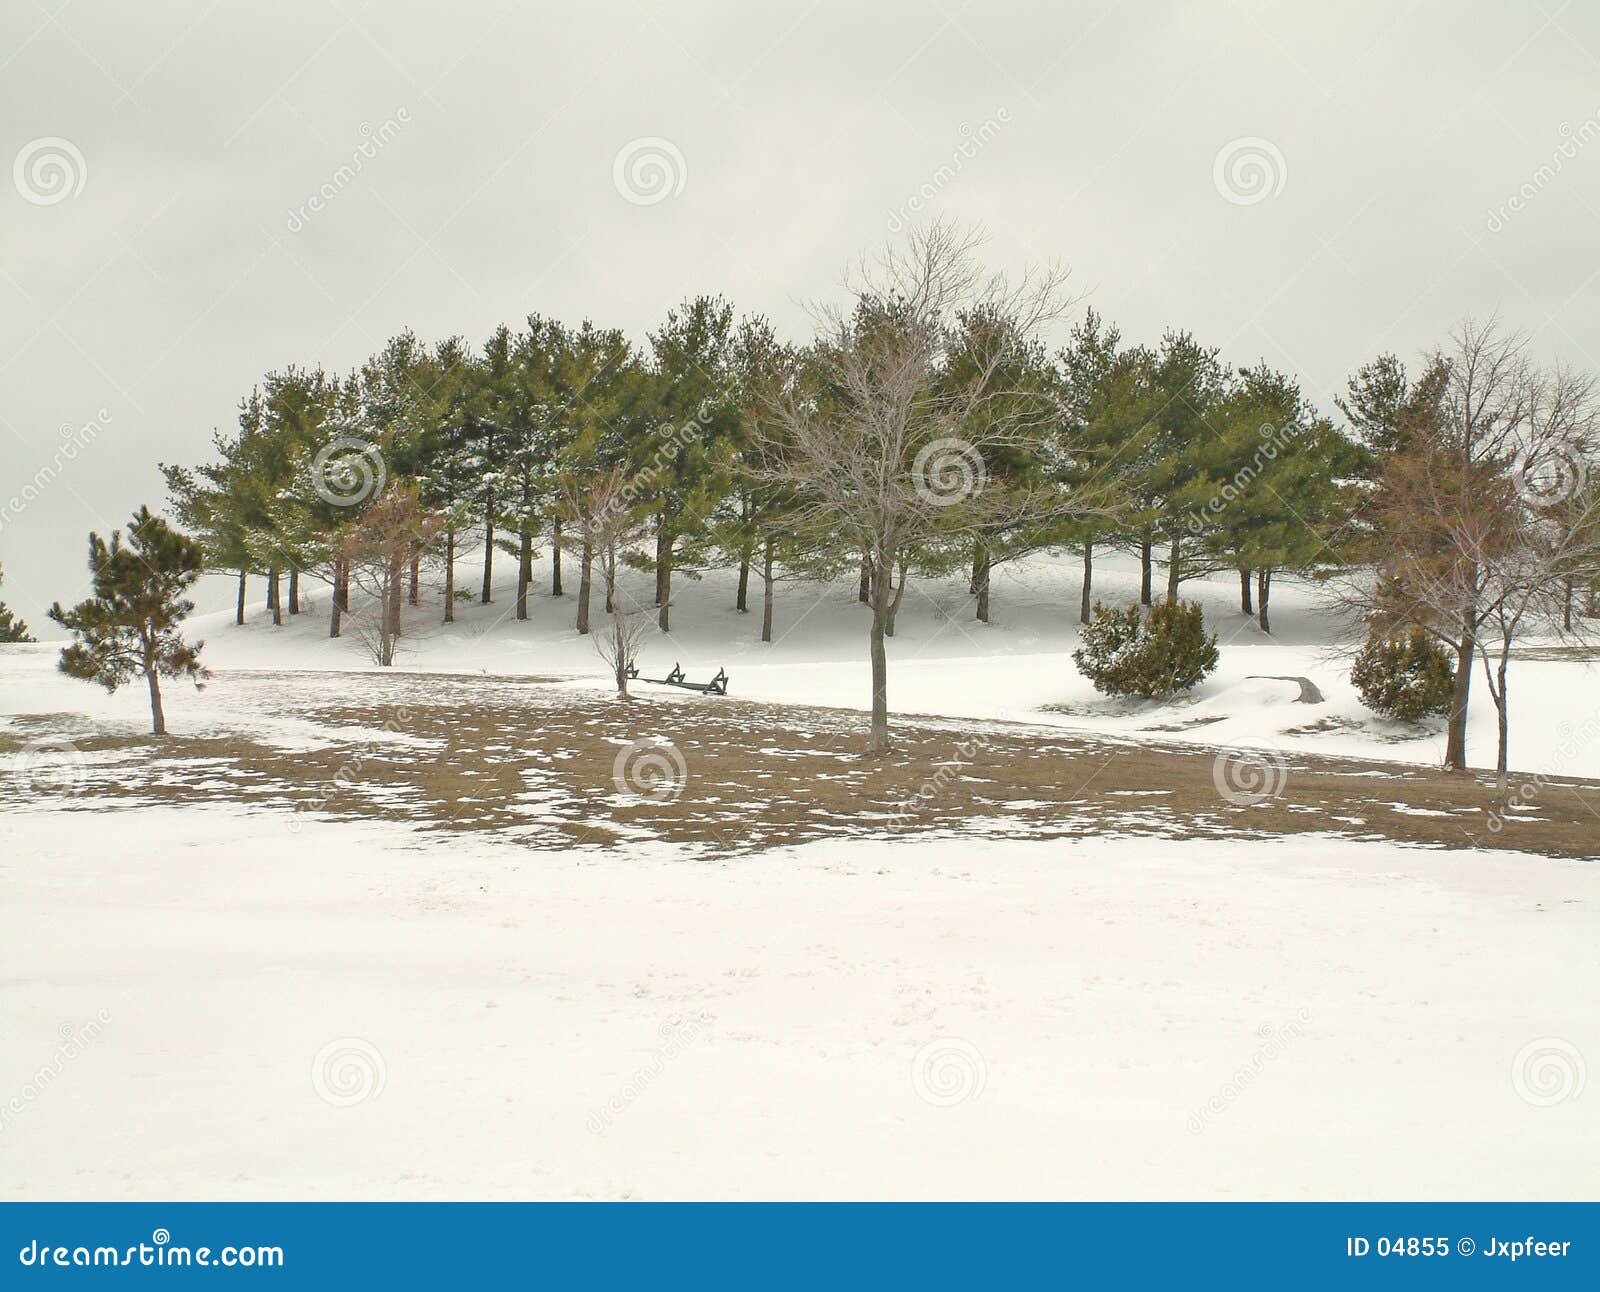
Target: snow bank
{"type": "Point", "coordinates": [220, 1009]}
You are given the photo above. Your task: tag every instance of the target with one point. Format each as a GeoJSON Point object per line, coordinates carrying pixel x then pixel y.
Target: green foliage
{"type": "Point", "coordinates": [1125, 652]}
{"type": "Point", "coordinates": [129, 627]}
{"type": "Point", "coordinates": [1406, 675]}
{"type": "Point", "coordinates": [12, 629]}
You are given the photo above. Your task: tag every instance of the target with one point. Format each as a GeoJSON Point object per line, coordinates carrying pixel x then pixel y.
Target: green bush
{"type": "Point", "coordinates": [1126, 652]}
{"type": "Point", "coordinates": [1406, 675]}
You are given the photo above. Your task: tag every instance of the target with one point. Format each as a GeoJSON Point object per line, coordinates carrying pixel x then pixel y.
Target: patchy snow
{"type": "Point", "coordinates": [200, 1000]}
{"type": "Point", "coordinates": [943, 662]}
{"type": "Point", "coordinates": [214, 1000]}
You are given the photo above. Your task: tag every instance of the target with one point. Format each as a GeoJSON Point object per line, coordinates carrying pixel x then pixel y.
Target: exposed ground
{"type": "Point", "coordinates": [558, 765]}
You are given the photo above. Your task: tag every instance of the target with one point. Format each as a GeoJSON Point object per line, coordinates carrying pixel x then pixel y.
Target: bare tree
{"type": "Point", "coordinates": [604, 514]}
{"type": "Point", "coordinates": [1486, 521]}
{"type": "Point", "coordinates": [883, 443]}
{"type": "Point", "coordinates": [377, 552]}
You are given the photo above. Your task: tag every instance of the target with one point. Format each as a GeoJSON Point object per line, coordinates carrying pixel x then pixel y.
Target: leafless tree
{"type": "Point", "coordinates": [377, 552]}
{"type": "Point", "coordinates": [603, 513]}
{"type": "Point", "coordinates": [884, 441]}
{"type": "Point", "coordinates": [1485, 522]}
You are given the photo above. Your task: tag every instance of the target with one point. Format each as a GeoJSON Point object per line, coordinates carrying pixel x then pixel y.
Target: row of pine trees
{"type": "Point", "coordinates": [1215, 467]}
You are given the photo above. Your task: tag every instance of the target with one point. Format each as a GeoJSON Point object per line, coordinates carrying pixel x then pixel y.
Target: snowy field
{"type": "Point", "coordinates": [1129, 1019]}
{"type": "Point", "coordinates": [232, 999]}
{"type": "Point", "coordinates": [1017, 667]}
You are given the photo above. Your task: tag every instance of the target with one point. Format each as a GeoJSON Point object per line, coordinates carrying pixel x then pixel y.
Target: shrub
{"type": "Point", "coordinates": [1125, 652]}
{"type": "Point", "coordinates": [1405, 675]}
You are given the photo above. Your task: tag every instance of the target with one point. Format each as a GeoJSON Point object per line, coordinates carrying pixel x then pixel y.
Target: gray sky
{"type": "Point", "coordinates": [160, 248]}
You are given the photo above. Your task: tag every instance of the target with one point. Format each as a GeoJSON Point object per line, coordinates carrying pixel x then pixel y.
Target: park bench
{"type": "Point", "coordinates": [716, 686]}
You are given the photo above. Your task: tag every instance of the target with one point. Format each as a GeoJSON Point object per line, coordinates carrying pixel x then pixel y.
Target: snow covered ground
{"type": "Point", "coordinates": [237, 1001]}
{"type": "Point", "coordinates": [199, 1004]}
{"type": "Point", "coordinates": [943, 661]}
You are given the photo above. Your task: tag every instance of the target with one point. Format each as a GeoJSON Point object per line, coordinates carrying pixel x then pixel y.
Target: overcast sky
{"type": "Point", "coordinates": [200, 192]}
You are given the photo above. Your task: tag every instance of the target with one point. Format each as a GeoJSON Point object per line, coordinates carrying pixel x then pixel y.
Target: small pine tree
{"type": "Point", "coordinates": [1125, 652]}
{"type": "Point", "coordinates": [130, 625]}
{"type": "Point", "coordinates": [12, 629]}
{"type": "Point", "coordinates": [1405, 675]}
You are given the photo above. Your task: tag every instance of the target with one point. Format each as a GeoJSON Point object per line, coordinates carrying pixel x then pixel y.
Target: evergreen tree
{"type": "Point", "coordinates": [1105, 404]}
{"type": "Point", "coordinates": [1271, 492]}
{"type": "Point", "coordinates": [12, 629]}
{"type": "Point", "coordinates": [687, 454]}
{"type": "Point", "coordinates": [129, 627]}
{"type": "Point", "coordinates": [1187, 384]}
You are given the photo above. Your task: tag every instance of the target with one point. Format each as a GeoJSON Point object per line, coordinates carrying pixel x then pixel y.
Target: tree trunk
{"type": "Point", "coordinates": [1455, 751]}
{"type": "Point", "coordinates": [335, 607]}
{"type": "Point", "coordinates": [414, 595]}
{"type": "Point", "coordinates": [662, 544]}
{"type": "Point", "coordinates": [980, 580]}
{"type": "Point", "coordinates": [585, 585]}
{"type": "Point", "coordinates": [766, 588]}
{"type": "Point", "coordinates": [1173, 558]}
{"type": "Point", "coordinates": [524, 571]}
{"type": "Point", "coordinates": [238, 614]}
{"type": "Point", "coordinates": [450, 575]}
{"type": "Point", "coordinates": [1263, 591]}
{"type": "Point", "coordinates": [158, 716]}
{"type": "Point", "coordinates": [741, 600]}
{"type": "Point", "coordinates": [1145, 556]}
{"type": "Point", "coordinates": [488, 558]}
{"type": "Point", "coordinates": [664, 610]}
{"type": "Point", "coordinates": [555, 561]}
{"type": "Point", "coordinates": [392, 594]}
{"type": "Point", "coordinates": [1084, 603]}
{"type": "Point", "coordinates": [881, 578]}
{"type": "Point", "coordinates": [1566, 605]}
{"type": "Point", "coordinates": [341, 585]}
{"type": "Point", "coordinates": [1502, 708]}
{"type": "Point", "coordinates": [864, 593]}
{"type": "Point", "coordinates": [273, 602]}
{"type": "Point", "coordinates": [1245, 608]}
{"type": "Point", "coordinates": [899, 596]}
{"type": "Point", "coordinates": [294, 592]}
{"type": "Point", "coordinates": [608, 566]}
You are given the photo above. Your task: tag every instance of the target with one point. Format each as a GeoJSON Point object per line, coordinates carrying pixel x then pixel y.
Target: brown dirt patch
{"type": "Point", "coordinates": [549, 764]}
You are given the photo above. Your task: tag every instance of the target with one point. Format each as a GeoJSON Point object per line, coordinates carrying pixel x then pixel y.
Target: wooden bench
{"type": "Point", "coordinates": [716, 686]}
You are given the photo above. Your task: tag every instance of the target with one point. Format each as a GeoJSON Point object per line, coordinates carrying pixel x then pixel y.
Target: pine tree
{"type": "Point", "coordinates": [687, 453]}
{"type": "Point", "coordinates": [1102, 430]}
{"type": "Point", "coordinates": [129, 627]}
{"type": "Point", "coordinates": [1270, 491]}
{"type": "Point", "coordinates": [12, 629]}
